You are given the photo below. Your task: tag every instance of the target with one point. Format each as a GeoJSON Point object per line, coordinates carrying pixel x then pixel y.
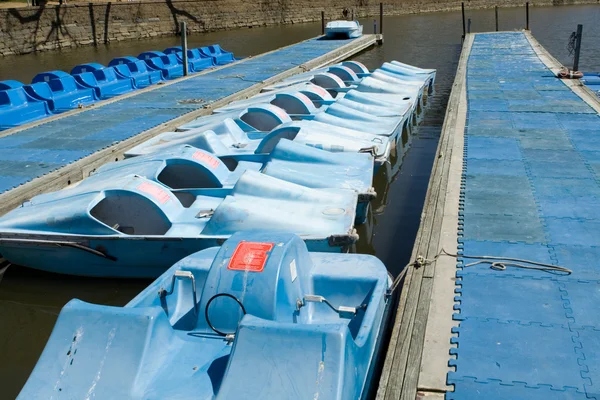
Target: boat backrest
{"type": "Point", "coordinates": [357, 67]}
{"type": "Point", "coordinates": [267, 276]}
{"type": "Point", "coordinates": [265, 117]}
{"type": "Point", "coordinates": [131, 213]}
{"type": "Point", "coordinates": [150, 54]}
{"type": "Point", "coordinates": [344, 73]}
{"type": "Point", "coordinates": [328, 81]}
{"type": "Point", "coordinates": [294, 103]}
{"type": "Point", "coordinates": [89, 67]}
{"type": "Point", "coordinates": [267, 145]}
{"type": "Point", "coordinates": [10, 84]}
{"type": "Point", "coordinates": [122, 60]}
{"type": "Point", "coordinates": [181, 167]}
{"type": "Point", "coordinates": [173, 50]}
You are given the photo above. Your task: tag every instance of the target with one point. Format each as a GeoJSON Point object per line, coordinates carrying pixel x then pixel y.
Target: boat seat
{"type": "Point", "coordinates": [138, 70]}
{"type": "Point", "coordinates": [131, 214]}
{"type": "Point", "coordinates": [218, 55]}
{"type": "Point", "coordinates": [67, 93]}
{"type": "Point", "coordinates": [17, 107]}
{"type": "Point", "coordinates": [170, 67]}
{"type": "Point", "coordinates": [105, 82]}
{"type": "Point", "coordinates": [196, 60]}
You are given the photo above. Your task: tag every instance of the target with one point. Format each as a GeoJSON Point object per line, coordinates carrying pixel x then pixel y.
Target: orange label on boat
{"type": "Point", "coordinates": [207, 158]}
{"type": "Point", "coordinates": [155, 191]}
{"type": "Point", "coordinates": [250, 256]}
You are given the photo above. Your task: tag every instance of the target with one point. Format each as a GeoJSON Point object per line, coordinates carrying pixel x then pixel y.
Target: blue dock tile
{"type": "Point", "coordinates": [590, 342]}
{"type": "Point", "coordinates": [571, 207]}
{"type": "Point", "coordinates": [531, 354]}
{"type": "Point", "coordinates": [564, 169]}
{"type": "Point", "coordinates": [572, 232]}
{"type": "Point", "coordinates": [499, 227]}
{"type": "Point", "coordinates": [510, 298]}
{"type": "Point", "coordinates": [492, 390]}
{"type": "Point", "coordinates": [496, 167]}
{"type": "Point", "coordinates": [504, 148]}
{"type": "Point", "coordinates": [582, 260]}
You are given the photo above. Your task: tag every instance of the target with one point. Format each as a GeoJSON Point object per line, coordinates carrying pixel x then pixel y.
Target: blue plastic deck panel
{"type": "Point", "coordinates": [65, 92]}
{"type": "Point", "coordinates": [531, 190]}
{"type": "Point", "coordinates": [18, 107]}
{"type": "Point", "coordinates": [196, 60]}
{"type": "Point", "coordinates": [138, 70]}
{"type": "Point", "coordinates": [39, 150]}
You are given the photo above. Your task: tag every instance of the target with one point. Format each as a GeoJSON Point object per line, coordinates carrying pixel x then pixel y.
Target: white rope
{"type": "Point", "coordinates": [496, 263]}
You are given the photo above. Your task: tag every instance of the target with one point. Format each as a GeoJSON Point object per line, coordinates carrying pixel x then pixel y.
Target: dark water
{"type": "Point", "coordinates": [30, 301]}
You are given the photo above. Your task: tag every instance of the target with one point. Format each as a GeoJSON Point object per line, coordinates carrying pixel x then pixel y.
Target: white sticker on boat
{"type": "Point", "coordinates": [293, 271]}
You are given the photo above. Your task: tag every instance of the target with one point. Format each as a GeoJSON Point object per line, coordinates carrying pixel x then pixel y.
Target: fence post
{"type": "Point", "coordinates": [184, 48]}
{"type": "Point", "coordinates": [577, 47]}
{"type": "Point", "coordinates": [527, 15]}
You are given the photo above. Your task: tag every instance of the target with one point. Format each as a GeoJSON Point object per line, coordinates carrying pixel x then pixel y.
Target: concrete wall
{"type": "Point", "coordinates": [24, 30]}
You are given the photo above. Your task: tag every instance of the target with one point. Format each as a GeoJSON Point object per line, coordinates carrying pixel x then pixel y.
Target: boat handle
{"type": "Point", "coordinates": [183, 275]}
{"type": "Point", "coordinates": [59, 244]}
{"type": "Point", "coordinates": [343, 311]}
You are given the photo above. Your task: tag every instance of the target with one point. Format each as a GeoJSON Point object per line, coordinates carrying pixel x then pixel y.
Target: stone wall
{"type": "Point", "coordinates": [25, 30]}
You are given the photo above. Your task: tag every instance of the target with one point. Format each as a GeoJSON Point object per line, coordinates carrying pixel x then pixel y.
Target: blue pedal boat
{"type": "Point", "coordinates": [134, 227]}
{"type": "Point", "coordinates": [258, 318]}
{"type": "Point", "coordinates": [226, 138]}
{"type": "Point", "coordinates": [185, 167]}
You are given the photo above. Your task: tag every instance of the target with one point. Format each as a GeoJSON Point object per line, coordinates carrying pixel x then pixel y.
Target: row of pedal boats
{"type": "Point", "coordinates": [240, 215]}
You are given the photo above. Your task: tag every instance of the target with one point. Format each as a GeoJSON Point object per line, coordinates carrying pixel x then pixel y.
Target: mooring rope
{"type": "Point", "coordinates": [496, 263]}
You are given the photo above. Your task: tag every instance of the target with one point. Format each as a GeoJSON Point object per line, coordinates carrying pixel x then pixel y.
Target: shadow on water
{"type": "Point", "coordinates": [30, 301]}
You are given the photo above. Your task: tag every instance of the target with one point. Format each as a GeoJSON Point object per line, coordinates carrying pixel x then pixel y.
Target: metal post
{"type": "Point", "coordinates": [527, 15]}
{"type": "Point", "coordinates": [184, 47]}
{"type": "Point", "coordinates": [496, 18]}
{"type": "Point", "coordinates": [462, 6]}
{"type": "Point", "coordinates": [353, 14]}
{"type": "Point", "coordinates": [375, 26]}
{"type": "Point", "coordinates": [381, 18]}
{"type": "Point", "coordinates": [322, 22]}
{"type": "Point", "coordinates": [469, 26]}
{"type": "Point", "coordinates": [577, 47]}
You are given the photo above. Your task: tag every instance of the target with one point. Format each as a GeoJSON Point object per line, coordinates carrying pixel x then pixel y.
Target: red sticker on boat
{"type": "Point", "coordinates": [250, 256]}
{"type": "Point", "coordinates": [155, 191]}
{"type": "Point", "coordinates": [212, 162]}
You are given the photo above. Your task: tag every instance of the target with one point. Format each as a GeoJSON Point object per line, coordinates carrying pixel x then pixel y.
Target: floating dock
{"type": "Point", "coordinates": [57, 151]}
{"type": "Point", "coordinates": [517, 174]}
